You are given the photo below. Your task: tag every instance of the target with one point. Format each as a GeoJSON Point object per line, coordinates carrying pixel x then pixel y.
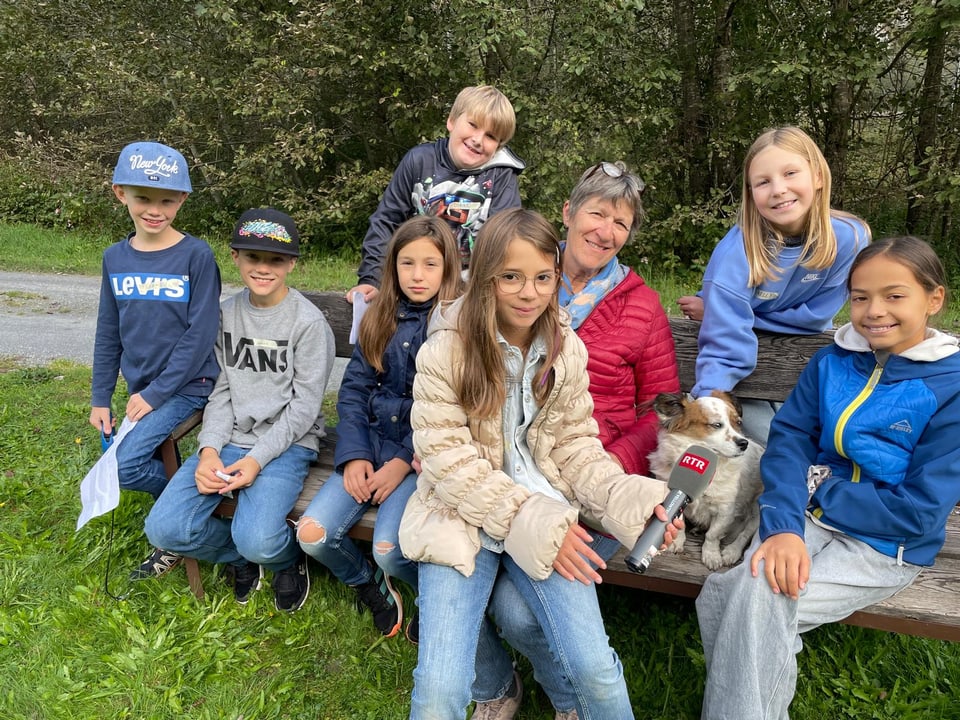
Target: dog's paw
{"type": "Point", "coordinates": [677, 545]}
{"type": "Point", "coordinates": [731, 555]}
{"type": "Point", "coordinates": [711, 556]}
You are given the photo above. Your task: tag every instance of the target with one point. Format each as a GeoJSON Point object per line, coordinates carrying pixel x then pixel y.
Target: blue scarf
{"type": "Point", "coordinates": [581, 304]}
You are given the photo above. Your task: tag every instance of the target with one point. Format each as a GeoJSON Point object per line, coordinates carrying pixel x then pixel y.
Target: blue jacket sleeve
{"type": "Point", "coordinates": [353, 403]}
{"type": "Point", "coordinates": [791, 448]}
{"type": "Point", "coordinates": [507, 193]}
{"type": "Point", "coordinates": [403, 450]}
{"type": "Point", "coordinates": [727, 343]}
{"type": "Point", "coordinates": [197, 341]}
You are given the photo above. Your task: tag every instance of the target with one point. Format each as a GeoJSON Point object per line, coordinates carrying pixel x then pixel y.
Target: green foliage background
{"type": "Point", "coordinates": [309, 104]}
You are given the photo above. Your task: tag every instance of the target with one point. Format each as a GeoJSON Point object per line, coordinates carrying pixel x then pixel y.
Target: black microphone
{"type": "Point", "coordinates": [689, 478]}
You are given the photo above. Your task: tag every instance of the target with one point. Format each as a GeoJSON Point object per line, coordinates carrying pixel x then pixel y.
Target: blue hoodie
{"type": "Point", "coordinates": [800, 302]}
{"type": "Point", "coordinates": [888, 432]}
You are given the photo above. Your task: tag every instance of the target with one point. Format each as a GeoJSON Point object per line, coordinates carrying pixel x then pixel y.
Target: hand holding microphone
{"type": "Point", "coordinates": [690, 476]}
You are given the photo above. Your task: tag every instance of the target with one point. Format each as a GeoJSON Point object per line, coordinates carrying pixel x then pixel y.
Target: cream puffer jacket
{"type": "Point", "coordinates": [462, 487]}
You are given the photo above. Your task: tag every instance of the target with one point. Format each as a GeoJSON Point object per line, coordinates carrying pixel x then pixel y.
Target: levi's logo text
{"type": "Point", "coordinates": [144, 286]}
{"type": "Point", "coordinates": [255, 354]}
{"type": "Point", "coordinates": [694, 462]}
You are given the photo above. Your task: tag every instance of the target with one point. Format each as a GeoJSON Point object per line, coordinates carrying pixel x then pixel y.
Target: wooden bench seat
{"type": "Point", "coordinates": [928, 608]}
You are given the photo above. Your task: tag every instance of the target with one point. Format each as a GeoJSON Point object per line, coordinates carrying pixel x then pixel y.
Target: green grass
{"type": "Point", "coordinates": [42, 250]}
{"type": "Point", "coordinates": [70, 651]}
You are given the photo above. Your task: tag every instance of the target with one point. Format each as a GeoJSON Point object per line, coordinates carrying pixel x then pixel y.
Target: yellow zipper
{"type": "Point", "coordinates": [852, 408]}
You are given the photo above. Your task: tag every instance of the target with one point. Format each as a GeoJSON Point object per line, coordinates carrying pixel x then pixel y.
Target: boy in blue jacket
{"type": "Point", "coordinates": [156, 324]}
{"type": "Point", "coordinates": [463, 178]}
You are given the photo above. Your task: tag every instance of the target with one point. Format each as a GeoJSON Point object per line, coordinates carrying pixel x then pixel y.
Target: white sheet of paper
{"type": "Point", "coordinates": [100, 489]}
{"type": "Point", "coordinates": [359, 308]}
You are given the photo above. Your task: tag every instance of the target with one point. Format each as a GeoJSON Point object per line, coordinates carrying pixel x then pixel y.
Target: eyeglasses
{"type": "Point", "coordinates": [614, 171]}
{"type": "Point", "coordinates": [510, 283]}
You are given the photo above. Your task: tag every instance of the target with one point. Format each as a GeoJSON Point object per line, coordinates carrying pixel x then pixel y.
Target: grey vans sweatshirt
{"type": "Point", "coordinates": [274, 366]}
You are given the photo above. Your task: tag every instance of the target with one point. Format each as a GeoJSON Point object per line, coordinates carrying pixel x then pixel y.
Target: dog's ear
{"type": "Point", "coordinates": [669, 408]}
{"type": "Point", "coordinates": [730, 398]}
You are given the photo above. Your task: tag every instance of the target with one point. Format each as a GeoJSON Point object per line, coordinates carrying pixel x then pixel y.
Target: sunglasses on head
{"type": "Point", "coordinates": [614, 171]}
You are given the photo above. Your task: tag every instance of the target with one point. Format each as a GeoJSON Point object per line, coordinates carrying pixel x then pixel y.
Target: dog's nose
{"type": "Point", "coordinates": [743, 443]}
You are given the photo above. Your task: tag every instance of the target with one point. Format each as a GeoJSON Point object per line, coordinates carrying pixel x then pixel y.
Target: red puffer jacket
{"type": "Point", "coordinates": [631, 359]}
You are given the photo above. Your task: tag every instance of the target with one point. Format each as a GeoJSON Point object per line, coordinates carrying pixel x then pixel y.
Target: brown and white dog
{"type": "Point", "coordinates": [727, 511]}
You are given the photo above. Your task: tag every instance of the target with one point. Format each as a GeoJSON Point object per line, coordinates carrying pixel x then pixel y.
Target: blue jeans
{"type": "Point", "coordinates": [519, 627]}
{"type": "Point", "coordinates": [335, 510]}
{"type": "Point", "coordinates": [453, 618]}
{"type": "Point", "coordinates": [138, 464]}
{"type": "Point", "coordinates": [182, 519]}
{"type": "Point", "coordinates": [757, 416]}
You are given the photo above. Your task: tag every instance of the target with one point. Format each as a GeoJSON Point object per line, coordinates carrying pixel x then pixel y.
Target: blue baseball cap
{"type": "Point", "coordinates": [150, 164]}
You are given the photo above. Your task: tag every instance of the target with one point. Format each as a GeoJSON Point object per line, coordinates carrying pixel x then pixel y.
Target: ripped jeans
{"type": "Point", "coordinates": [335, 510]}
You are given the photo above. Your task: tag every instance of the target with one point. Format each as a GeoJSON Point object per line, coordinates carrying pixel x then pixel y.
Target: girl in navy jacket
{"type": "Point", "coordinates": [859, 478]}
{"type": "Point", "coordinates": [374, 451]}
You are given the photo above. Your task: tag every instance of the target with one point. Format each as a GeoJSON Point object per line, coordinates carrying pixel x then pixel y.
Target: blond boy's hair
{"type": "Point", "coordinates": [489, 107]}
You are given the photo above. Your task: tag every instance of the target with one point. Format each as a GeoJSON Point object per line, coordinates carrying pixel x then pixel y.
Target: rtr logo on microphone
{"type": "Point", "coordinates": [694, 462]}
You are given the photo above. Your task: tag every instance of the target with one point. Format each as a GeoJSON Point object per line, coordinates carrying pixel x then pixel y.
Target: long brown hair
{"type": "Point", "coordinates": [761, 240]}
{"type": "Point", "coordinates": [379, 323]}
{"type": "Point", "coordinates": [482, 381]}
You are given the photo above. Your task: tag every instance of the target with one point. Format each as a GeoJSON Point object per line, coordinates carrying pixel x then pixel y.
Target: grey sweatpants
{"type": "Point", "coordinates": [751, 636]}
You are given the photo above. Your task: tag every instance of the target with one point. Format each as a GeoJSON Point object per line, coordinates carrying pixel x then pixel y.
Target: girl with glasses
{"type": "Point", "coordinates": [503, 426]}
{"type": "Point", "coordinates": [630, 359]}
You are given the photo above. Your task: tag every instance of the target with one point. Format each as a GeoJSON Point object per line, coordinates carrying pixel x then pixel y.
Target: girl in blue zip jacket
{"type": "Point", "coordinates": [782, 268]}
{"type": "Point", "coordinates": [859, 478]}
{"type": "Point", "coordinates": [374, 450]}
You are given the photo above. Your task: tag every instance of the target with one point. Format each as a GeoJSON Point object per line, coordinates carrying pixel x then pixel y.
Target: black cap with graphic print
{"type": "Point", "coordinates": [268, 230]}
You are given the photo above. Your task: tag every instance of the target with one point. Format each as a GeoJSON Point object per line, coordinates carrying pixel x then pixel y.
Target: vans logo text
{"type": "Point", "coordinates": [255, 354]}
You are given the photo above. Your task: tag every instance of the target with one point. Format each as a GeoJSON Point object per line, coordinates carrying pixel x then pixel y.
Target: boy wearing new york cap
{"type": "Point", "coordinates": [156, 324]}
{"type": "Point", "coordinates": [262, 426]}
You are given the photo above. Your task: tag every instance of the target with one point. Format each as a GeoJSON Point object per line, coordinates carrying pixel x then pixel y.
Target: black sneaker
{"type": "Point", "coordinates": [413, 628]}
{"type": "Point", "coordinates": [384, 602]}
{"type": "Point", "coordinates": [291, 586]}
{"type": "Point", "coordinates": [244, 579]}
{"type": "Point", "coordinates": [160, 562]}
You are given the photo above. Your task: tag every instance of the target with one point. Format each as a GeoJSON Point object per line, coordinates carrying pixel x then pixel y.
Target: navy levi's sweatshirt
{"type": "Point", "coordinates": [157, 321]}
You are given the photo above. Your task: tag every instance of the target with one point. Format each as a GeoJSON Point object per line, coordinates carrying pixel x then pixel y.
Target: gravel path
{"type": "Point", "coordinates": [45, 316]}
